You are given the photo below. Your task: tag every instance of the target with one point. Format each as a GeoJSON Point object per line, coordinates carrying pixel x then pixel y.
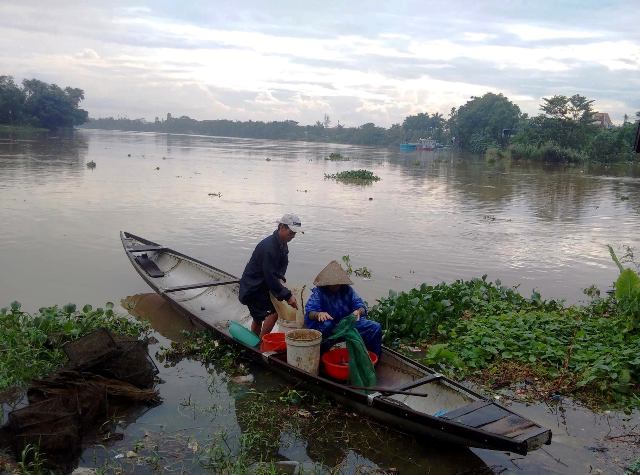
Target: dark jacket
{"type": "Point", "coordinates": [263, 272]}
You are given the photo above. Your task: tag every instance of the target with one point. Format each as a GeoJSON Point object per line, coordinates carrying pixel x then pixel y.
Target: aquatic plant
{"type": "Point", "coordinates": [353, 176]}
{"type": "Point", "coordinates": [207, 348]}
{"type": "Point", "coordinates": [548, 152]}
{"type": "Point", "coordinates": [495, 153]}
{"type": "Point", "coordinates": [32, 344]}
{"type": "Point", "coordinates": [32, 462]}
{"type": "Point", "coordinates": [424, 312]}
{"type": "Point", "coordinates": [627, 292]}
{"type": "Point", "coordinates": [482, 330]}
{"type": "Point", "coordinates": [363, 272]}
{"type": "Point", "coordinates": [337, 157]}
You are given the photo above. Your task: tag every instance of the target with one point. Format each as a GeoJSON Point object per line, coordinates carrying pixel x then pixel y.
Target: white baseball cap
{"type": "Point", "coordinates": [292, 221]}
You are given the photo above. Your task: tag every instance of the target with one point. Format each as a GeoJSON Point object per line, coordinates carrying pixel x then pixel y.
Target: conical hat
{"type": "Point", "coordinates": [333, 274]}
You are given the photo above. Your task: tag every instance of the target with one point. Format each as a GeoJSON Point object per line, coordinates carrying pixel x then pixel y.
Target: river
{"type": "Point", "coordinates": [433, 216]}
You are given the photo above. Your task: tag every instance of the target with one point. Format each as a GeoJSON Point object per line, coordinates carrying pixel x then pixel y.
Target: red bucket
{"type": "Point", "coordinates": [336, 363]}
{"type": "Point", "coordinates": [273, 342]}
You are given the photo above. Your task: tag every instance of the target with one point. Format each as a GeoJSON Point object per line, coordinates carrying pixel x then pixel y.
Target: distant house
{"type": "Point", "coordinates": [603, 120]}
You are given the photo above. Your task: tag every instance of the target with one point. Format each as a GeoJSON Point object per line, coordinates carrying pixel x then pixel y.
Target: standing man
{"type": "Point", "coordinates": [264, 274]}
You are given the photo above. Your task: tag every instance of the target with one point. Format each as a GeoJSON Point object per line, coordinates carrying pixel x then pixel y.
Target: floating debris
{"type": "Point", "coordinates": [243, 379]}
{"type": "Point", "coordinates": [353, 176]}
{"type": "Point", "coordinates": [218, 194]}
{"type": "Point", "coordinates": [337, 157]}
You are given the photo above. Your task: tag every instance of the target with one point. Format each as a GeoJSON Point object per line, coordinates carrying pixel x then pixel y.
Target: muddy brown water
{"type": "Point", "coordinates": [432, 217]}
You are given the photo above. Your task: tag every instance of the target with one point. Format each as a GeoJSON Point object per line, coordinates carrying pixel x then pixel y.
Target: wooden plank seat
{"type": "Point", "coordinates": [418, 382]}
{"type": "Point", "coordinates": [149, 266]}
{"type": "Point", "coordinates": [511, 426]}
{"type": "Point", "coordinates": [485, 415]}
{"type": "Point", "coordinates": [461, 411]}
{"type": "Point", "coordinates": [199, 286]}
{"type": "Point", "coordinates": [149, 248]}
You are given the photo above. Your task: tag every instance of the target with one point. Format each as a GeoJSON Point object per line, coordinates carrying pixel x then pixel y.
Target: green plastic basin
{"type": "Point", "coordinates": [243, 334]}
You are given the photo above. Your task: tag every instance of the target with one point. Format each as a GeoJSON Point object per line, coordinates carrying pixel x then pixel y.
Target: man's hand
{"type": "Point", "coordinates": [293, 302]}
{"type": "Point", "coordinates": [324, 316]}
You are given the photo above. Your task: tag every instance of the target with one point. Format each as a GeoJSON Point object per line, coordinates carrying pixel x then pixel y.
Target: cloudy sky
{"type": "Point", "coordinates": [357, 61]}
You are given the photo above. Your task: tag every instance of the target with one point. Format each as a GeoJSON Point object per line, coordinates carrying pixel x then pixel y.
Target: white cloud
{"type": "Point", "coordinates": [538, 33]}
{"type": "Point", "coordinates": [477, 37]}
{"type": "Point", "coordinates": [244, 63]}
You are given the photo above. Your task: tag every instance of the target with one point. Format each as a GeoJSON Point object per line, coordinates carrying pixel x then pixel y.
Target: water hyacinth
{"type": "Point", "coordinates": [32, 344]}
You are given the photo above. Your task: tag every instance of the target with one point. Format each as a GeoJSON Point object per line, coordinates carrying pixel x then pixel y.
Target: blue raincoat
{"type": "Point", "coordinates": [339, 305]}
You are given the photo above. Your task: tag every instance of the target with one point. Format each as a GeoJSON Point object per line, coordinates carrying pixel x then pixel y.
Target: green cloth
{"type": "Point", "coordinates": [361, 370]}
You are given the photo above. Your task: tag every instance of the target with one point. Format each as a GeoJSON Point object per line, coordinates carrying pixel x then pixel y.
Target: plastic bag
{"type": "Point", "coordinates": [287, 315]}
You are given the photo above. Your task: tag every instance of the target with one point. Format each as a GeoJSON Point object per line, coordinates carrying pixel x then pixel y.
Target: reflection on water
{"type": "Point", "coordinates": [40, 157]}
{"type": "Point", "coordinates": [159, 313]}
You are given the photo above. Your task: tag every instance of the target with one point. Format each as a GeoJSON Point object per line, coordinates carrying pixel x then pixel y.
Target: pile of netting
{"type": "Point", "coordinates": [361, 370]}
{"type": "Point", "coordinates": [104, 371]}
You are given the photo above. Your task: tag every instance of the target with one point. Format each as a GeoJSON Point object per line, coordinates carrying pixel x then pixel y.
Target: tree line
{"type": "Point", "coordinates": [38, 104]}
{"type": "Point", "coordinates": [564, 130]}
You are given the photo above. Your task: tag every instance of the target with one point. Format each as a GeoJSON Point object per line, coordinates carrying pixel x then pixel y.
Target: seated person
{"type": "Point", "coordinates": [331, 300]}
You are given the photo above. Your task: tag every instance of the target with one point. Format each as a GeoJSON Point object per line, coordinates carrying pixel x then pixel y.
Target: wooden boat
{"type": "Point", "coordinates": [409, 396]}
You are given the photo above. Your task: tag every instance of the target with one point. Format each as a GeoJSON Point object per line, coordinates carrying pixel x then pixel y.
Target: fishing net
{"type": "Point", "coordinates": [52, 425]}
{"type": "Point", "coordinates": [113, 356]}
{"type": "Point", "coordinates": [131, 364]}
{"type": "Point", "coordinates": [91, 349]}
{"type": "Point", "coordinates": [361, 370]}
{"type": "Point", "coordinates": [104, 371]}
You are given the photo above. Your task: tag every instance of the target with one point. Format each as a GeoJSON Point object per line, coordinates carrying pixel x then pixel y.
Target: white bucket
{"type": "Point", "coordinates": [303, 349]}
